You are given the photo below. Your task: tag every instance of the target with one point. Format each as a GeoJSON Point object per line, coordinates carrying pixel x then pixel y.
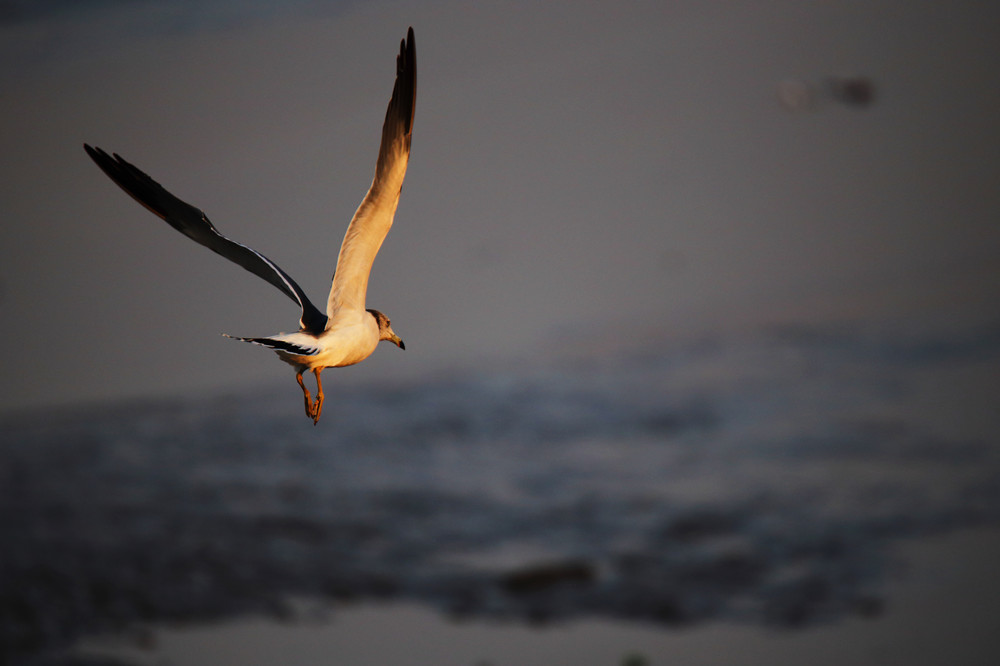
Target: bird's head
{"type": "Point", "coordinates": [385, 331]}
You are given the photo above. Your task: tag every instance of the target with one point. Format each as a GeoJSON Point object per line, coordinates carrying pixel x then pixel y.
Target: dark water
{"type": "Point", "coordinates": [756, 478]}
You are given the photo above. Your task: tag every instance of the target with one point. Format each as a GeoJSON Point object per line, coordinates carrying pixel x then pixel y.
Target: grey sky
{"type": "Point", "coordinates": [574, 167]}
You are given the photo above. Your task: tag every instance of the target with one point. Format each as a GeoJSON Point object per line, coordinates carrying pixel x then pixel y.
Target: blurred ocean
{"type": "Point", "coordinates": [757, 477]}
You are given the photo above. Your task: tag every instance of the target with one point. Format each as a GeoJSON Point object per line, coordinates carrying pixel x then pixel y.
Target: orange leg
{"type": "Point", "coordinates": [305, 394]}
{"type": "Point", "coordinates": [318, 405]}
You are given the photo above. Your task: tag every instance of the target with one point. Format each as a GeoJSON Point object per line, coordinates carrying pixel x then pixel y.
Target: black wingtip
{"type": "Point", "coordinates": [406, 78]}
{"type": "Point", "coordinates": [110, 164]}
{"type": "Point", "coordinates": [95, 153]}
{"type": "Point", "coordinates": [407, 53]}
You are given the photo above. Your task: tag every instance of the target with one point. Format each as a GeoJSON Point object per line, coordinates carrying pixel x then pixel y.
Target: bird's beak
{"type": "Point", "coordinates": [395, 339]}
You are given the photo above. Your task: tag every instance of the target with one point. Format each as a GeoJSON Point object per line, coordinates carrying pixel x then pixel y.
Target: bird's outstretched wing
{"type": "Point", "coordinates": [193, 223]}
{"type": "Point", "coordinates": [373, 218]}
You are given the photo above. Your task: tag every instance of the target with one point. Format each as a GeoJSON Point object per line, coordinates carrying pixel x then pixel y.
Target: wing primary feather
{"type": "Point", "coordinates": [373, 219]}
{"type": "Point", "coordinates": [193, 223]}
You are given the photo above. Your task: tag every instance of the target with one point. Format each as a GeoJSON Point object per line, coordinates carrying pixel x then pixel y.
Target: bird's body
{"type": "Point", "coordinates": [349, 338]}
{"type": "Point", "coordinates": [348, 332]}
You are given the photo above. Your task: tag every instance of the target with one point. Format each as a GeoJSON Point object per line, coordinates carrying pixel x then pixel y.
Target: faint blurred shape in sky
{"type": "Point", "coordinates": [856, 91]}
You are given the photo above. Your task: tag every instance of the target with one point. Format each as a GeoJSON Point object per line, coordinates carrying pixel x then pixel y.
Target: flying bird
{"type": "Point", "coordinates": [348, 332]}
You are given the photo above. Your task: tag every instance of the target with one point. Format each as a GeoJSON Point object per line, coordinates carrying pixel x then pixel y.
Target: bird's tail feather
{"type": "Point", "coordinates": [279, 345]}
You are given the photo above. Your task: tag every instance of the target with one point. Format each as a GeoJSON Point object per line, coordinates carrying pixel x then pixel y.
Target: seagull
{"type": "Point", "coordinates": [348, 333]}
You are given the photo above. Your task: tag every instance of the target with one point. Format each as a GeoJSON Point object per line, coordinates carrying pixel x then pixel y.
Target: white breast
{"type": "Point", "coordinates": [350, 338]}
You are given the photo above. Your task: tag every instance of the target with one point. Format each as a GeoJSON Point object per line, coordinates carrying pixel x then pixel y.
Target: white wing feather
{"type": "Point", "coordinates": [373, 219]}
